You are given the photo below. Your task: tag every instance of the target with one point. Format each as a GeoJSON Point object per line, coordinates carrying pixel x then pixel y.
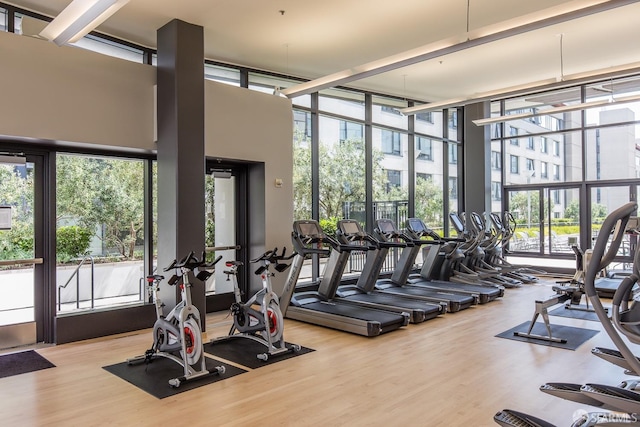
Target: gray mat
{"type": "Point", "coordinates": [244, 352]}
{"type": "Point", "coordinates": [154, 377]}
{"type": "Point", "coordinates": [574, 314]}
{"type": "Point", "coordinates": [22, 362]}
{"type": "Point", "coordinates": [575, 336]}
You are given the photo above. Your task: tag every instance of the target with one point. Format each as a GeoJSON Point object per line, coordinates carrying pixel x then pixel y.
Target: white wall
{"type": "Point", "coordinates": [249, 125]}
{"type": "Point", "coordinates": [69, 94]}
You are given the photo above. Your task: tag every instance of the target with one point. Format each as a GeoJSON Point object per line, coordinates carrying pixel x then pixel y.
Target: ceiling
{"type": "Point", "coordinates": [311, 39]}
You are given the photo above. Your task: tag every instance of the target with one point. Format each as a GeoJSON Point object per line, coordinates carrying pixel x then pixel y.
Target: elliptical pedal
{"type": "Point", "coordinates": [510, 418]}
{"type": "Point", "coordinates": [614, 357]}
{"type": "Point", "coordinates": [571, 392]}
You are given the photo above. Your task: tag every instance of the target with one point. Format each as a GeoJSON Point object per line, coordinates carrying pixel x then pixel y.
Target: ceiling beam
{"type": "Point", "coordinates": [502, 30]}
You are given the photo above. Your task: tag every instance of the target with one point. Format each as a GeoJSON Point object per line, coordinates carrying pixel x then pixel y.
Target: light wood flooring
{"type": "Point", "coordinates": [451, 371]}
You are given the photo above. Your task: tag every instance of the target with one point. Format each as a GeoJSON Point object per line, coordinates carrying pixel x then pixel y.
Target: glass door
{"type": "Point", "coordinates": [562, 220]}
{"type": "Point", "coordinates": [604, 200]}
{"type": "Point", "coordinates": [22, 294]}
{"type": "Point", "coordinates": [225, 212]}
{"type": "Point", "coordinates": [525, 206]}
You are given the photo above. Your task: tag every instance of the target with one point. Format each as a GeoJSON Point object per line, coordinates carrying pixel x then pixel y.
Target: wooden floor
{"type": "Point", "coordinates": [451, 371]}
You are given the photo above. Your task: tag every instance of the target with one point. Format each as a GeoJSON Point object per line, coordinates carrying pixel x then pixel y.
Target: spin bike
{"type": "Point", "coordinates": [260, 318]}
{"type": "Point", "coordinates": [178, 335]}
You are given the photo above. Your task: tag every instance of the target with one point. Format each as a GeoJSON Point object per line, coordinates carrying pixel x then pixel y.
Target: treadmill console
{"type": "Point", "coordinates": [350, 227]}
{"type": "Point", "coordinates": [308, 228]}
{"type": "Point", "coordinates": [308, 238]}
{"type": "Point", "coordinates": [386, 226]}
{"type": "Point", "coordinates": [457, 223]}
{"type": "Point", "coordinates": [416, 225]}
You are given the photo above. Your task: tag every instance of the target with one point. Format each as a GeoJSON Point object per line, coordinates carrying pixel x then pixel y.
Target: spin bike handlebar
{"type": "Point", "coordinates": [190, 262]}
{"type": "Point", "coordinates": [272, 257]}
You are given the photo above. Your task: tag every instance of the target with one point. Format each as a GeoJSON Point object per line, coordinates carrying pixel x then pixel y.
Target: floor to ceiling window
{"type": "Point", "coordinates": [99, 231]}
{"type": "Point", "coordinates": [545, 152]}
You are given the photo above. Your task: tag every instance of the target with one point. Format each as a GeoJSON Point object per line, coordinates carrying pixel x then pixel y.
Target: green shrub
{"type": "Point", "coordinates": [329, 226]}
{"type": "Point", "coordinates": [21, 238]}
{"type": "Point", "coordinates": [72, 241]}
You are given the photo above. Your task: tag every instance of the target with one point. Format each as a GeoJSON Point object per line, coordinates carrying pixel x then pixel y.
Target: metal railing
{"type": "Point", "coordinates": [357, 260]}
{"type": "Point", "coordinates": [76, 274]}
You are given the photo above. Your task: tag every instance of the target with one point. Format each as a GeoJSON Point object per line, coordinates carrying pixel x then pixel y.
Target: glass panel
{"type": "Point", "coordinates": [301, 165]}
{"type": "Point", "coordinates": [386, 111]}
{"type": "Point", "coordinates": [496, 176]}
{"type": "Point", "coordinates": [429, 205]}
{"type": "Point", "coordinates": [538, 103]}
{"type": "Point", "coordinates": [452, 124]}
{"type": "Point", "coordinates": [99, 231]}
{"type": "Point", "coordinates": [16, 282]}
{"type": "Point", "coordinates": [220, 225]}
{"type": "Point", "coordinates": [615, 90]}
{"type": "Point", "coordinates": [107, 47]}
{"type": "Point", "coordinates": [390, 165]}
{"type": "Point", "coordinates": [603, 201]}
{"type": "Point", "coordinates": [564, 232]}
{"type": "Point", "coordinates": [269, 84]}
{"type": "Point", "coordinates": [538, 159]}
{"type": "Point", "coordinates": [429, 123]}
{"type": "Point", "coordinates": [525, 208]}
{"type": "Point", "coordinates": [342, 102]}
{"type": "Point", "coordinates": [224, 75]}
{"type": "Point", "coordinates": [342, 171]}
{"type": "Point", "coordinates": [3, 19]}
{"type": "Point", "coordinates": [453, 177]}
{"type": "Point", "coordinates": [154, 210]}
{"type": "Point", "coordinates": [612, 152]}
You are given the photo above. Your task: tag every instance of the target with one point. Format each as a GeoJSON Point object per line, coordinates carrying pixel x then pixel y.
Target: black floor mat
{"type": "Point", "coordinates": [154, 377]}
{"type": "Point", "coordinates": [574, 336]}
{"type": "Point", "coordinates": [574, 314]}
{"type": "Point", "coordinates": [22, 362]}
{"type": "Point", "coordinates": [244, 351]}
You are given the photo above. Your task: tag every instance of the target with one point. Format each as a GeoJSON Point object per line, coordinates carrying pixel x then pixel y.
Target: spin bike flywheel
{"type": "Point", "coordinates": [193, 338]}
{"type": "Point", "coordinates": [274, 322]}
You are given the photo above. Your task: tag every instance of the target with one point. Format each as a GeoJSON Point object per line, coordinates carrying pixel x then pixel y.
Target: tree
{"type": "Point", "coordinates": [429, 201]}
{"type": "Point", "coordinates": [16, 190]}
{"type": "Point", "coordinates": [342, 177]}
{"type": "Point", "coordinates": [102, 193]}
{"type": "Point", "coordinates": [525, 206]}
{"type": "Point", "coordinates": [572, 211]}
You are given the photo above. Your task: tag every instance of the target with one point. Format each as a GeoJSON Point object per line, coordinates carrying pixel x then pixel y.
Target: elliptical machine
{"type": "Point", "coordinates": [260, 318]}
{"type": "Point", "coordinates": [623, 399]}
{"type": "Point", "coordinates": [178, 335]}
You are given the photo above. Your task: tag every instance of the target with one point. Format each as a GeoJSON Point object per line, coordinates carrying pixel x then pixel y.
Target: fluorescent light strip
{"type": "Point", "coordinates": [557, 110]}
{"type": "Point", "coordinates": [435, 106]}
{"type": "Point", "coordinates": [478, 97]}
{"type": "Point", "coordinates": [502, 30]}
{"type": "Point", "coordinates": [80, 18]}
{"type": "Point", "coordinates": [546, 84]}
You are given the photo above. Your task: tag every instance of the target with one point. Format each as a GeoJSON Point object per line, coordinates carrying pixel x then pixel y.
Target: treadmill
{"type": "Point", "coordinates": [350, 233]}
{"type": "Point", "coordinates": [312, 307]}
{"type": "Point", "coordinates": [386, 229]}
{"type": "Point", "coordinates": [370, 281]}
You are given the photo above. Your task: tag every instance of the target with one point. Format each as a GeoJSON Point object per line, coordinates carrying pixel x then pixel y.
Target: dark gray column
{"type": "Point", "coordinates": [477, 160]}
{"type": "Point", "coordinates": [181, 219]}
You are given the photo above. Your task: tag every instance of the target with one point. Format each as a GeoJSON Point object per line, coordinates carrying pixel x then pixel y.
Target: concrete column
{"type": "Point", "coordinates": [477, 159]}
{"type": "Point", "coordinates": [181, 162]}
